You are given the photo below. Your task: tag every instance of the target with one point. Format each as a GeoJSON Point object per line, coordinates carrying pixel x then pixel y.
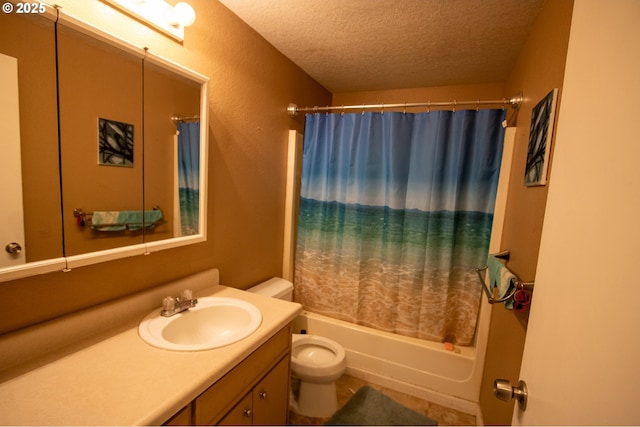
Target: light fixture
{"type": "Point", "coordinates": [184, 13]}
{"type": "Point", "coordinates": [160, 15]}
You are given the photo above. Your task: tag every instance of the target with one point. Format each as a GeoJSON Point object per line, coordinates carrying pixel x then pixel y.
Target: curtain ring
{"type": "Point", "coordinates": [455, 103]}
{"type": "Point", "coordinates": [363, 109]}
{"type": "Point", "coordinates": [428, 106]}
{"type": "Point", "coordinates": [404, 111]}
{"type": "Point", "coordinates": [477, 105]}
{"type": "Point", "coordinates": [342, 111]}
{"type": "Point", "coordinates": [382, 110]}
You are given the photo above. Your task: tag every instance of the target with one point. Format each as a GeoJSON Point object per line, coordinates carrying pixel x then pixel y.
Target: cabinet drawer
{"type": "Point", "coordinates": [211, 405]}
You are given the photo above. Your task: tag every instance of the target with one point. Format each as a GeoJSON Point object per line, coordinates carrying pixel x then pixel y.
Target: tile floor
{"type": "Point", "coordinates": [348, 385]}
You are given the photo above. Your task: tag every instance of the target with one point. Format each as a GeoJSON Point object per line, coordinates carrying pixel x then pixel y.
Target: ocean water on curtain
{"type": "Point", "coordinates": [347, 252]}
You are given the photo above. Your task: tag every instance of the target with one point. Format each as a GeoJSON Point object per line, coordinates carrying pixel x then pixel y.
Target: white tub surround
{"type": "Point", "coordinates": [112, 377]}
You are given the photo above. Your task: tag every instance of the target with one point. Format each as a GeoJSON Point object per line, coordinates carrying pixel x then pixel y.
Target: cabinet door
{"type": "Point", "coordinates": [182, 418]}
{"type": "Point", "coordinates": [240, 415]}
{"type": "Point", "coordinates": [271, 396]}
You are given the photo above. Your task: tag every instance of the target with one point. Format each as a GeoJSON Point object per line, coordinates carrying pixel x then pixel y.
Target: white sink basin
{"type": "Point", "coordinates": [214, 322]}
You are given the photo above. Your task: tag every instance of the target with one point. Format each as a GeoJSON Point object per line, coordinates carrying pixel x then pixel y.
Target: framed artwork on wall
{"type": "Point", "coordinates": [540, 136]}
{"type": "Point", "coordinates": [115, 143]}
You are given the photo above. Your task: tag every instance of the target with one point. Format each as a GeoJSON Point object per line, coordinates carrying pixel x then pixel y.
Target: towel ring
{"type": "Point", "coordinates": [518, 285]}
{"type": "Point", "coordinates": [490, 297]}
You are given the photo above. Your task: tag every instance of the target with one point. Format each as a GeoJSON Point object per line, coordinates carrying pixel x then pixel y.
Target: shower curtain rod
{"type": "Point", "coordinates": [514, 102]}
{"type": "Point", "coordinates": [177, 119]}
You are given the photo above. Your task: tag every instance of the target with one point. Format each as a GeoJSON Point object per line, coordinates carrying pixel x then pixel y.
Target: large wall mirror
{"type": "Point", "coordinates": [109, 154]}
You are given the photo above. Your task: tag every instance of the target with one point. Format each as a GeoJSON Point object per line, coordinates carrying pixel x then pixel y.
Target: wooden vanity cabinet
{"type": "Point", "coordinates": [255, 392]}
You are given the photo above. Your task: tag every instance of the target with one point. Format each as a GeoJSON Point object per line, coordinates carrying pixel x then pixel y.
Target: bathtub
{"type": "Point", "coordinates": [417, 367]}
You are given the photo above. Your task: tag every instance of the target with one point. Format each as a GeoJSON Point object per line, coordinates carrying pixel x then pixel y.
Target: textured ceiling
{"type": "Point", "coordinates": [356, 45]}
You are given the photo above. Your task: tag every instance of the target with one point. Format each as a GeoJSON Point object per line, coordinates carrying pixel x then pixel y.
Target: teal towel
{"type": "Point", "coordinates": [500, 277]}
{"type": "Point", "coordinates": [106, 221]}
{"type": "Point", "coordinates": [134, 219]}
{"type": "Point", "coordinates": [123, 220]}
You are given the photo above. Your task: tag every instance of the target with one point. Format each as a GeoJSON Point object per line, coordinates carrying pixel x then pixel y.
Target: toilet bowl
{"type": "Point", "coordinates": [316, 362]}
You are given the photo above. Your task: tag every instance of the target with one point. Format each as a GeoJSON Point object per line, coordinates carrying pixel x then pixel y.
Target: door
{"type": "Point", "coordinates": [12, 224]}
{"type": "Point", "coordinates": [581, 359]}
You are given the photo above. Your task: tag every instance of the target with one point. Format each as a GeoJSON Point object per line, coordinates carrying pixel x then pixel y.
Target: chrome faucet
{"type": "Point", "coordinates": [171, 305]}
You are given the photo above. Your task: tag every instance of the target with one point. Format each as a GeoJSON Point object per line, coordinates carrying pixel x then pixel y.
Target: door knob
{"type": "Point", "coordinates": [503, 390]}
{"type": "Point", "coordinates": [13, 248]}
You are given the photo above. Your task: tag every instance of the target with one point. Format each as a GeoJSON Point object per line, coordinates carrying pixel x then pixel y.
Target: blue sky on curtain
{"type": "Point", "coordinates": [396, 211]}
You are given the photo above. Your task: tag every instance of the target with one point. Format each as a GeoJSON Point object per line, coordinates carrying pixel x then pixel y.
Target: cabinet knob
{"type": "Point", "coordinates": [13, 248]}
{"type": "Point", "coordinates": [263, 395]}
{"type": "Point", "coordinates": [247, 412]}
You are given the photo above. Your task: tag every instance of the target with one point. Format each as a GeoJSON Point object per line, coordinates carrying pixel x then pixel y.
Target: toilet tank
{"type": "Point", "coordinates": [274, 288]}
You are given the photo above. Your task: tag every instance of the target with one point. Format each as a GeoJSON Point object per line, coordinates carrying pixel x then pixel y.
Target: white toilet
{"type": "Point", "coordinates": [316, 362]}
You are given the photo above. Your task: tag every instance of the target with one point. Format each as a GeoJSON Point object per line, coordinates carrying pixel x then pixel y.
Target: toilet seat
{"type": "Point", "coordinates": [315, 358]}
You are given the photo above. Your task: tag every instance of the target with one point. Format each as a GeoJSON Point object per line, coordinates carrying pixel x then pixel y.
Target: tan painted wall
{"type": "Point", "coordinates": [540, 68]}
{"type": "Point", "coordinates": [251, 85]}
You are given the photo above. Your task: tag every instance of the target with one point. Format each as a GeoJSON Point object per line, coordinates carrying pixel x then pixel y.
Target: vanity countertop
{"type": "Point", "coordinates": [121, 380]}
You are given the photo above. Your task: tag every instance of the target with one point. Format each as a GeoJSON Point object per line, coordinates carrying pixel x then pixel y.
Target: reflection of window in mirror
{"type": "Point", "coordinates": [100, 99]}
{"type": "Point", "coordinates": [30, 40]}
{"type": "Point", "coordinates": [168, 95]}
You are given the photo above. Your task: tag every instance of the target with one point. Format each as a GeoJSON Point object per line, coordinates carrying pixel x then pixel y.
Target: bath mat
{"type": "Point", "coordinates": [369, 407]}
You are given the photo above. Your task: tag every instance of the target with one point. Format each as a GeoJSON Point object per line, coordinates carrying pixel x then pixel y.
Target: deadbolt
{"type": "Point", "coordinates": [503, 390]}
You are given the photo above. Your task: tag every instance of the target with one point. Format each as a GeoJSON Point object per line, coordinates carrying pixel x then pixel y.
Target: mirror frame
{"type": "Point", "coordinates": [67, 263]}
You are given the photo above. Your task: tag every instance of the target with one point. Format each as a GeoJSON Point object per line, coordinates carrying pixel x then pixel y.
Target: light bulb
{"type": "Point", "coordinates": [184, 14]}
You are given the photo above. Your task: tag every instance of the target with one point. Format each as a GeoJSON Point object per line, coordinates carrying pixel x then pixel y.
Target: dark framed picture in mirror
{"type": "Point", "coordinates": [115, 143]}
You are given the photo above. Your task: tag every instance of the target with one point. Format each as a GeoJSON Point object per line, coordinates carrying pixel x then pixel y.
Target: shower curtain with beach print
{"type": "Point", "coordinates": [189, 176]}
{"type": "Point", "coordinates": [395, 213]}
